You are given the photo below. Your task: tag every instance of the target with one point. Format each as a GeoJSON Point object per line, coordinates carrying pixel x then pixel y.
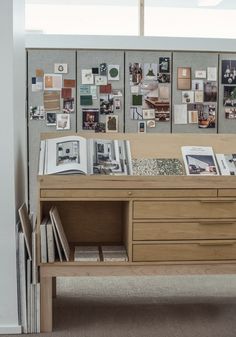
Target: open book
{"type": "Point", "coordinates": [75, 154]}
{"type": "Point", "coordinates": [199, 160]}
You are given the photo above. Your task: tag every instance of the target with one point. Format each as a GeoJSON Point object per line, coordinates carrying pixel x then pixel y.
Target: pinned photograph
{"type": "Point", "coordinates": [63, 121]}
{"type": "Point", "coordinates": [100, 80]}
{"type": "Point", "coordinates": [106, 104]}
{"type": "Point", "coordinates": [187, 97]}
{"type": "Point", "coordinates": [164, 64]}
{"type": "Point", "coordinates": [100, 127]}
{"type": "Point", "coordinates": [210, 92]}
{"type": "Point", "coordinates": [69, 105]}
{"type": "Point", "coordinates": [230, 113]}
{"type": "Point", "coordinates": [180, 114]}
{"type": "Point", "coordinates": [113, 72]}
{"type": "Point", "coordinates": [66, 92]}
{"type": "Point", "coordinates": [197, 85]}
{"type": "Point", "coordinates": [141, 127]}
{"type": "Point", "coordinates": [60, 68]}
{"type": "Point", "coordinates": [207, 116]}
{"type": "Point", "coordinates": [93, 91]}
{"type": "Point", "coordinates": [112, 123]}
{"type": "Point", "coordinates": [162, 114]}
{"type": "Point", "coordinates": [136, 112]}
{"type": "Point", "coordinates": [87, 76]}
{"type": "Point", "coordinates": [90, 118]}
{"type": "Point", "coordinates": [229, 96]}
{"type": "Point", "coordinates": [200, 73]}
{"type": "Point", "coordinates": [103, 69]}
{"type": "Point", "coordinates": [51, 118]}
{"type": "Point", "coordinates": [150, 71]}
{"type": "Point", "coordinates": [136, 73]}
{"type": "Point", "coordinates": [163, 78]}
{"type": "Point", "coordinates": [37, 112]}
{"type": "Point", "coordinates": [228, 72]}
{"type": "Point", "coordinates": [95, 71]}
{"type": "Point", "coordinates": [163, 92]}
{"type": "Point", "coordinates": [52, 82]}
{"type": "Point", "coordinates": [117, 103]}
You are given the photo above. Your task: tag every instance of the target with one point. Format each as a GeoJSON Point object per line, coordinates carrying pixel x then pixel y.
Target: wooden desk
{"type": "Point", "coordinates": [168, 224]}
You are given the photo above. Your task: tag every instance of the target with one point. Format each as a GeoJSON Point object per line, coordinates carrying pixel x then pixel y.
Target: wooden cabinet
{"type": "Point", "coordinates": [168, 224]}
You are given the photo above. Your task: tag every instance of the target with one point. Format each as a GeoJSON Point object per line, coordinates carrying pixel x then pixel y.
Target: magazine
{"type": "Point", "coordinates": [199, 160]}
{"type": "Point", "coordinates": [78, 155]}
{"type": "Point", "coordinates": [226, 163]}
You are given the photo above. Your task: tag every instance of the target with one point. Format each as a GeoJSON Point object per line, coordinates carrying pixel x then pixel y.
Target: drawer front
{"type": "Point", "coordinates": [194, 251]}
{"type": "Point", "coordinates": [227, 192]}
{"type": "Point", "coordinates": [196, 209]}
{"type": "Point", "coordinates": [184, 230]}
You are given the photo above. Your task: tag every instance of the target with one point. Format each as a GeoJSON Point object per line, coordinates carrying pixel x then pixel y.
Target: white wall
{"type": "Point", "coordinates": [13, 153]}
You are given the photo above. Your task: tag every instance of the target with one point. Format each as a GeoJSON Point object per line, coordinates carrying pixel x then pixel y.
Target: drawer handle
{"type": "Point", "coordinates": [230, 243]}
{"type": "Point", "coordinates": [217, 201]}
{"type": "Point", "coordinates": [216, 223]}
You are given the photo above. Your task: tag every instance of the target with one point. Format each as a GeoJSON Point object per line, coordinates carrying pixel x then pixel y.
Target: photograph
{"type": "Point", "coordinates": [164, 64]}
{"type": "Point", "coordinates": [51, 118]}
{"type": "Point", "coordinates": [136, 73]}
{"type": "Point", "coordinates": [162, 114]}
{"type": "Point", "coordinates": [106, 104]}
{"type": "Point", "coordinates": [163, 78]}
{"type": "Point", "coordinates": [151, 123]}
{"type": "Point", "coordinates": [106, 157]}
{"type": "Point", "coordinates": [90, 118]}
{"type": "Point", "coordinates": [228, 72]}
{"type": "Point", "coordinates": [112, 123]}
{"type": "Point", "coordinates": [141, 127]}
{"type": "Point", "coordinates": [193, 116]}
{"type": "Point", "coordinates": [69, 105]}
{"type": "Point", "coordinates": [68, 152]}
{"type": "Point", "coordinates": [100, 80]}
{"type": "Point", "coordinates": [201, 164]}
{"type": "Point", "coordinates": [63, 121]}
{"type": "Point", "coordinates": [207, 116]}
{"type": "Point", "coordinates": [100, 127]}
{"type": "Point", "coordinates": [230, 113]}
{"type": "Point", "coordinates": [200, 73]}
{"type": "Point", "coordinates": [150, 71]}
{"type": "Point", "coordinates": [103, 69]}
{"type": "Point", "coordinates": [148, 113]}
{"type": "Point", "coordinates": [229, 96]}
{"type": "Point", "coordinates": [37, 112]}
{"type": "Point", "coordinates": [210, 92]}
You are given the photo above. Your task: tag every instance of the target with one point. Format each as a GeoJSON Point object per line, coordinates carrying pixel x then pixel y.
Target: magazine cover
{"type": "Point", "coordinates": [199, 160]}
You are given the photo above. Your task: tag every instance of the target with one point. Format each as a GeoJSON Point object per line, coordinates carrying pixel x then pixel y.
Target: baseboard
{"type": "Point", "coordinates": [14, 329]}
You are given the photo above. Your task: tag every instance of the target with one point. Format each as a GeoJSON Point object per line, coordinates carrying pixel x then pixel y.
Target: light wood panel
{"type": "Point", "coordinates": [185, 251]}
{"type": "Point", "coordinates": [184, 230]}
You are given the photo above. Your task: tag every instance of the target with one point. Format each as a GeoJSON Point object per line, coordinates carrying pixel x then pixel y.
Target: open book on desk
{"type": "Point", "coordinates": [78, 155]}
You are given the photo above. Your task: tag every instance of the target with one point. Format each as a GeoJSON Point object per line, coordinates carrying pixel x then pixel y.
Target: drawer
{"type": "Point", "coordinates": [227, 192]}
{"type": "Point", "coordinates": [80, 193]}
{"type": "Point", "coordinates": [210, 229]}
{"type": "Point", "coordinates": [195, 209]}
{"type": "Point", "coordinates": [185, 251]}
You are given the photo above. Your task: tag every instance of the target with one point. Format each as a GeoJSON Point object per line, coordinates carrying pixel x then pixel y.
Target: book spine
{"type": "Point", "coordinates": [50, 243]}
{"type": "Point", "coordinates": [22, 264]}
{"type": "Point", "coordinates": [43, 241]}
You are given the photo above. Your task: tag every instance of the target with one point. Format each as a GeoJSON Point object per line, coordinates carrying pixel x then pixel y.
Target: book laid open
{"type": "Point", "coordinates": [78, 155]}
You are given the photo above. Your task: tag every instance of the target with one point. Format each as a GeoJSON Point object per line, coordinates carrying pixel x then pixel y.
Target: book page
{"type": "Point", "coordinates": [66, 154]}
{"type": "Point", "coordinates": [199, 160]}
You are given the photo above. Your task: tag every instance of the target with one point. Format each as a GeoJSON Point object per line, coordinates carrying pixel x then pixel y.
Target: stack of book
{"type": "Point", "coordinates": [87, 253]}
{"type": "Point", "coordinates": [28, 283]}
{"type": "Point", "coordinates": [114, 253]}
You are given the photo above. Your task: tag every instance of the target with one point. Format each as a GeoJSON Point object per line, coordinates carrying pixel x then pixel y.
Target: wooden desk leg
{"type": "Point", "coordinates": [46, 304]}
